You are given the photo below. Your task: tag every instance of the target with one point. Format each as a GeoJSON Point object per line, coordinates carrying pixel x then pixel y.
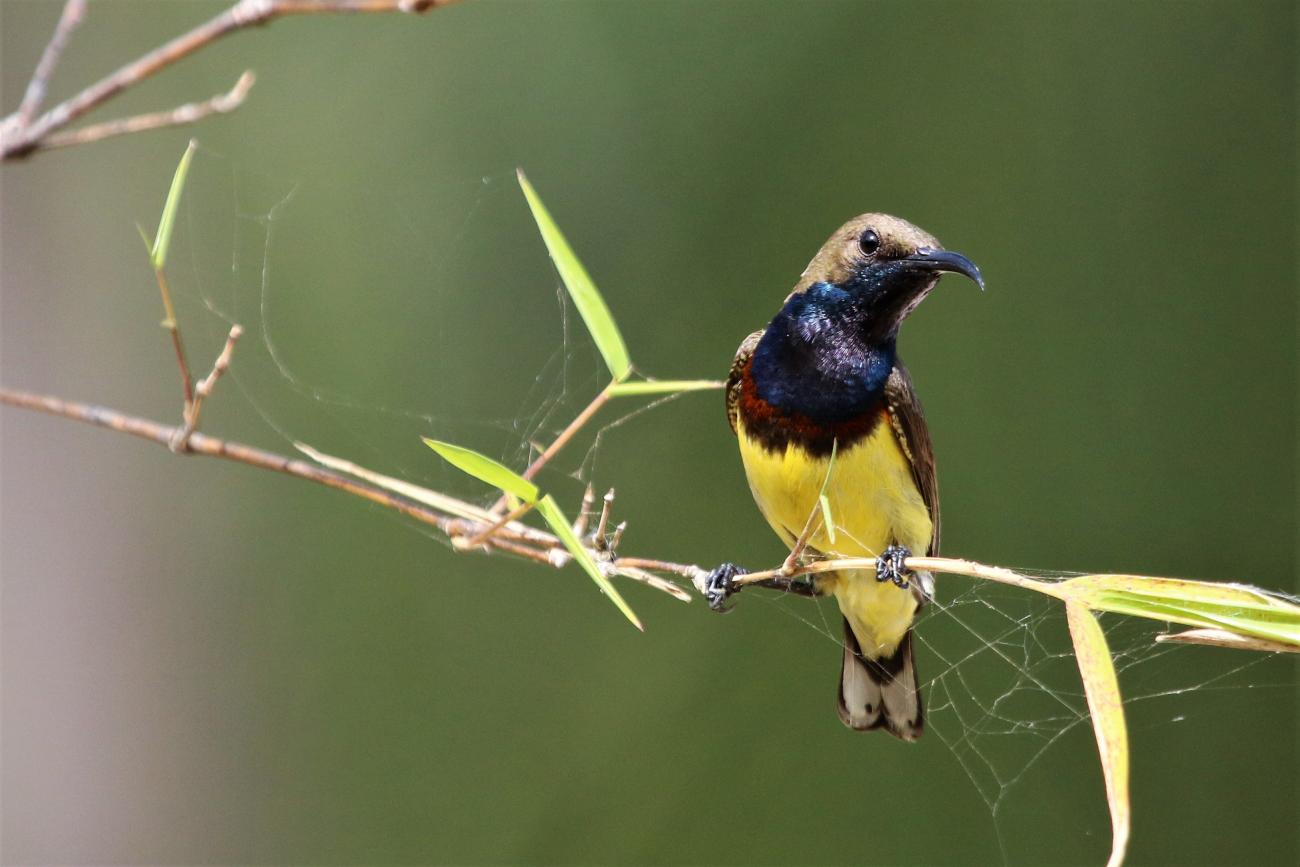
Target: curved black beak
{"type": "Point", "coordinates": [927, 259]}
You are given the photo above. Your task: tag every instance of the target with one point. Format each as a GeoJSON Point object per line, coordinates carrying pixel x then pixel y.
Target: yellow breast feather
{"type": "Point", "coordinates": [873, 502]}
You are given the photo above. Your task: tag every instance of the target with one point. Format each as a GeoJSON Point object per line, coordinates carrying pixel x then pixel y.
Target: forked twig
{"type": "Point", "coordinates": [182, 115]}
{"type": "Point", "coordinates": [203, 389]}
{"type": "Point", "coordinates": [73, 13]}
{"type": "Point", "coordinates": [24, 133]}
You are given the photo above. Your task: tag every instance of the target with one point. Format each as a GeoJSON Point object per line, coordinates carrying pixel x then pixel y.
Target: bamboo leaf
{"type": "Point", "coordinates": [162, 241]}
{"type": "Point", "coordinates": [827, 521]}
{"type": "Point", "coordinates": [1235, 608]}
{"type": "Point", "coordinates": [1106, 707]}
{"type": "Point", "coordinates": [1223, 638]}
{"type": "Point", "coordinates": [485, 469]}
{"type": "Point", "coordinates": [560, 526]}
{"type": "Point", "coordinates": [433, 499]}
{"type": "Point", "coordinates": [662, 386]}
{"type": "Point", "coordinates": [586, 297]}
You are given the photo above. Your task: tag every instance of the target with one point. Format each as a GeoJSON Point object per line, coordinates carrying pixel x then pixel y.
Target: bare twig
{"type": "Point", "coordinates": [584, 512]}
{"type": "Point", "coordinates": [514, 515]}
{"type": "Point", "coordinates": [18, 139]}
{"type": "Point", "coordinates": [615, 539]}
{"type": "Point", "coordinates": [182, 115]}
{"type": "Point", "coordinates": [801, 544]}
{"type": "Point", "coordinates": [73, 13]}
{"type": "Point", "coordinates": [562, 440]}
{"type": "Point", "coordinates": [602, 526]}
{"type": "Point", "coordinates": [204, 388]}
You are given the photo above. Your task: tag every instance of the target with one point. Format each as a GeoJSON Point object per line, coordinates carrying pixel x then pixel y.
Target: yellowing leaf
{"type": "Point", "coordinates": [1107, 710]}
{"type": "Point", "coordinates": [1232, 607]}
{"type": "Point", "coordinates": [586, 297]}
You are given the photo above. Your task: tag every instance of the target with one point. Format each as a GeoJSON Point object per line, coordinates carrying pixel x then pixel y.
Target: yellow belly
{"type": "Point", "coordinates": [873, 503]}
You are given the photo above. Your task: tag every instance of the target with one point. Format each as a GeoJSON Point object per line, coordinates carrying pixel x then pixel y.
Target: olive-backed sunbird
{"type": "Point", "coordinates": [822, 405]}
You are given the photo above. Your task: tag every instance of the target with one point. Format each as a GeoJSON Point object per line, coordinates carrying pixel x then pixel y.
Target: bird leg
{"type": "Point", "coordinates": [890, 565]}
{"type": "Point", "coordinates": [720, 585]}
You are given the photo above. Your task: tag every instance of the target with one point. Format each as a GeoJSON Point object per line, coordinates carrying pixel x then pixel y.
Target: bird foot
{"type": "Point", "coordinates": [718, 586]}
{"type": "Point", "coordinates": [889, 565]}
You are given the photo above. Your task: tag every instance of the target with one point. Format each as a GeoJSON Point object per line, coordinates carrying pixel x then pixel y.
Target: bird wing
{"type": "Point", "coordinates": [908, 421]}
{"type": "Point", "coordinates": [743, 355]}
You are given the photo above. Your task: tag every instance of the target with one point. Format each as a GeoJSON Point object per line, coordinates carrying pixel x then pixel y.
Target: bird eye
{"type": "Point", "coordinates": [869, 242]}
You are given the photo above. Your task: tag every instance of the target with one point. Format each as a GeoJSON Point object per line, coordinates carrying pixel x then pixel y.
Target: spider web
{"type": "Point", "coordinates": [999, 677]}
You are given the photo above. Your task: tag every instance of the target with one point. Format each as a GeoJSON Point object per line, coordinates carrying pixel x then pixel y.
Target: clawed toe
{"type": "Point", "coordinates": [890, 565]}
{"type": "Point", "coordinates": [719, 585]}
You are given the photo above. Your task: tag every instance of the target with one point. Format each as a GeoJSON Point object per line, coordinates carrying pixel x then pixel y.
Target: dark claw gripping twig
{"type": "Point", "coordinates": [719, 586]}
{"type": "Point", "coordinates": [890, 565]}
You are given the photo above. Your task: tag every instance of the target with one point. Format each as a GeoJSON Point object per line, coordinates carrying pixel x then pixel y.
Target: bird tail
{"type": "Point", "coordinates": [880, 693]}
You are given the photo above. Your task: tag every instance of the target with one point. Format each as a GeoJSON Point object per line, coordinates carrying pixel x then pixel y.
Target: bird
{"type": "Point", "coordinates": [822, 405]}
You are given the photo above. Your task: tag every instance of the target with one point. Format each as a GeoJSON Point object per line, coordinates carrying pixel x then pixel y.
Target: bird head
{"type": "Point", "coordinates": [879, 268]}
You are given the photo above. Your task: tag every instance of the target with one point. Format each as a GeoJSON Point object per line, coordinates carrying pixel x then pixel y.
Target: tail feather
{"type": "Point", "coordinates": [880, 693]}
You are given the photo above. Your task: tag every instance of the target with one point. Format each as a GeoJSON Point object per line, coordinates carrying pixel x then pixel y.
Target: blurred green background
{"type": "Point", "coordinates": [206, 664]}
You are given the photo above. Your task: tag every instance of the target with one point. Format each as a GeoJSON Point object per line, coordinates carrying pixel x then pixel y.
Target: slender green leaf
{"type": "Point", "coordinates": [662, 386]}
{"type": "Point", "coordinates": [1107, 710]}
{"type": "Point", "coordinates": [827, 521]}
{"type": "Point", "coordinates": [162, 241]}
{"type": "Point", "coordinates": [586, 297]}
{"type": "Point", "coordinates": [560, 526]}
{"type": "Point", "coordinates": [485, 469]}
{"type": "Point", "coordinates": [441, 502]}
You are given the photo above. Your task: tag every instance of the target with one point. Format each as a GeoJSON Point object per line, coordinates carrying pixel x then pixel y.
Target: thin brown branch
{"type": "Point", "coordinates": [455, 518]}
{"type": "Point", "coordinates": [801, 544]}
{"type": "Point", "coordinates": [685, 570]}
{"type": "Point", "coordinates": [615, 539]}
{"type": "Point", "coordinates": [562, 440]}
{"type": "Point", "coordinates": [584, 512]}
{"type": "Point", "coordinates": [602, 526]}
{"type": "Point", "coordinates": [182, 115]}
{"type": "Point", "coordinates": [514, 515]}
{"type": "Point", "coordinates": [174, 329]}
{"type": "Point", "coordinates": [201, 444]}
{"type": "Point", "coordinates": [21, 140]}
{"type": "Point", "coordinates": [203, 389]}
{"type": "Point", "coordinates": [568, 433]}
{"type": "Point", "coordinates": [73, 13]}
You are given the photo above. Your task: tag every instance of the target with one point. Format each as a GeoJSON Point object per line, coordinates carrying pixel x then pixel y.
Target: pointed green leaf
{"type": "Point", "coordinates": [560, 526]}
{"type": "Point", "coordinates": [662, 386]}
{"type": "Point", "coordinates": [162, 241]}
{"type": "Point", "coordinates": [485, 469]}
{"type": "Point", "coordinates": [586, 297]}
{"type": "Point", "coordinates": [1107, 710]}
